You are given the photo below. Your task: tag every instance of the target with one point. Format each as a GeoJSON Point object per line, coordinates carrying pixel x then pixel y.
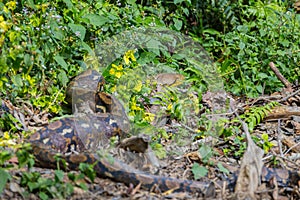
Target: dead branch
{"type": "Point", "coordinates": [286, 83]}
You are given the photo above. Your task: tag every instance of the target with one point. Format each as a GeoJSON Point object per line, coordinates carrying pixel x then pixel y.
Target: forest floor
{"type": "Point", "coordinates": [282, 151]}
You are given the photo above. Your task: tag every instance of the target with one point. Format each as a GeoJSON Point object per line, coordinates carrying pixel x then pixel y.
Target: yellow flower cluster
{"type": "Point", "coordinates": [116, 71]}
{"type": "Point", "coordinates": [149, 117]}
{"type": "Point", "coordinates": [7, 140]}
{"type": "Point", "coordinates": [129, 55]}
{"type": "Point", "coordinates": [4, 26]}
{"type": "Point", "coordinates": [11, 5]}
{"type": "Point", "coordinates": [133, 105]}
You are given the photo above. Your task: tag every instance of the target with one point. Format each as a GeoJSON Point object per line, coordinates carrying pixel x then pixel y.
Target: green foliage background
{"type": "Point", "coordinates": [43, 44]}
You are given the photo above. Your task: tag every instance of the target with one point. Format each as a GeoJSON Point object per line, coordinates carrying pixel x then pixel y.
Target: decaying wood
{"type": "Point", "coordinates": [283, 112]}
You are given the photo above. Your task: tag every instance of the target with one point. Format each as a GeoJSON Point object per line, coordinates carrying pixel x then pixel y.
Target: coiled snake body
{"type": "Point", "coordinates": [64, 137]}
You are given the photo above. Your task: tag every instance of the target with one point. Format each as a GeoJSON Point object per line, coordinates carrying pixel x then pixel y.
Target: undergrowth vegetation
{"type": "Point", "coordinates": [43, 44]}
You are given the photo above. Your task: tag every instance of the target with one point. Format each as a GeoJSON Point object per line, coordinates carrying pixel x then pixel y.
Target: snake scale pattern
{"type": "Point", "coordinates": [64, 138]}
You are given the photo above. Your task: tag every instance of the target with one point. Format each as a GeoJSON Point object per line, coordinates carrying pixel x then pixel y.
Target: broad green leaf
{"type": "Point", "coordinates": [222, 168]}
{"type": "Point", "coordinates": [146, 57]}
{"type": "Point", "coordinates": [262, 75]}
{"type": "Point", "coordinates": [78, 30]}
{"type": "Point", "coordinates": [199, 171]}
{"type": "Point", "coordinates": [17, 80]}
{"type": "Point", "coordinates": [242, 45]}
{"type": "Point", "coordinates": [205, 152]}
{"type": "Point", "coordinates": [60, 60]}
{"type": "Point", "coordinates": [43, 196]}
{"type": "Point", "coordinates": [63, 78]}
{"type": "Point", "coordinates": [59, 175]}
{"type": "Point", "coordinates": [68, 3]}
{"type": "Point", "coordinates": [87, 47]}
{"type": "Point", "coordinates": [177, 24]}
{"type": "Point", "coordinates": [32, 186]}
{"type": "Point", "coordinates": [153, 46]}
{"type": "Point", "coordinates": [83, 186]}
{"type": "Point", "coordinates": [5, 176]}
{"type": "Point", "coordinates": [96, 20]}
{"type": "Point", "coordinates": [27, 60]}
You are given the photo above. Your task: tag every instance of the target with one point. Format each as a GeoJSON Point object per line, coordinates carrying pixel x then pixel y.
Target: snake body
{"type": "Point", "coordinates": [64, 137]}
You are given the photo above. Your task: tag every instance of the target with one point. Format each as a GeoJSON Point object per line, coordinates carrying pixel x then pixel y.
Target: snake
{"type": "Point", "coordinates": [106, 117]}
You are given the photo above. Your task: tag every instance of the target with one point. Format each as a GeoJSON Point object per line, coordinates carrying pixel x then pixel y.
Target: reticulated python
{"type": "Point", "coordinates": [65, 137]}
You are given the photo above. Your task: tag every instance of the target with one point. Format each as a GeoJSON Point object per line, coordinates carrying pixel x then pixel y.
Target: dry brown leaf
{"type": "Point", "coordinates": [296, 126]}
{"type": "Point", "coordinates": [251, 168]}
{"type": "Point", "coordinates": [291, 144]}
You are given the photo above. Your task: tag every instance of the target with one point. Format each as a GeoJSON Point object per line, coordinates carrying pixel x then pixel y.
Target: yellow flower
{"type": "Point", "coordinates": [149, 117]}
{"type": "Point", "coordinates": [6, 140]}
{"type": "Point", "coordinates": [119, 67]}
{"type": "Point", "coordinates": [169, 108]}
{"type": "Point", "coordinates": [118, 74]}
{"type": "Point", "coordinates": [11, 5]}
{"type": "Point", "coordinates": [129, 54]}
{"type": "Point", "coordinates": [133, 105]}
{"type": "Point", "coordinates": [113, 89]}
{"type": "Point", "coordinates": [1, 18]}
{"type": "Point", "coordinates": [126, 59]}
{"type": "Point", "coordinates": [117, 71]}
{"type": "Point", "coordinates": [138, 86]}
{"type": "Point", "coordinates": [3, 26]}
{"type": "Point", "coordinates": [112, 71]}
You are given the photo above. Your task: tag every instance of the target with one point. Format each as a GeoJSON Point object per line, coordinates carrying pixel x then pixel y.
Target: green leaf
{"type": "Point", "coordinates": [30, 4]}
{"type": "Point", "coordinates": [4, 156]}
{"type": "Point", "coordinates": [265, 137]}
{"type": "Point", "coordinates": [178, 1]}
{"type": "Point", "coordinates": [43, 196]}
{"type": "Point", "coordinates": [222, 168]}
{"type": "Point", "coordinates": [17, 80]}
{"type": "Point", "coordinates": [59, 175]}
{"type": "Point", "coordinates": [63, 78]}
{"type": "Point", "coordinates": [199, 171]}
{"type": "Point", "coordinates": [87, 47]}
{"type": "Point", "coordinates": [177, 24]}
{"type": "Point", "coordinates": [211, 31]}
{"type": "Point", "coordinates": [60, 60]}
{"type": "Point", "coordinates": [242, 45]}
{"type": "Point", "coordinates": [205, 152]}
{"type": "Point", "coordinates": [68, 3]}
{"type": "Point", "coordinates": [146, 57]}
{"type": "Point", "coordinates": [78, 30]}
{"type": "Point", "coordinates": [27, 60]}
{"type": "Point", "coordinates": [153, 46]}
{"type": "Point", "coordinates": [83, 186]}
{"type": "Point", "coordinates": [96, 20]}
{"type": "Point", "coordinates": [32, 186]}
{"type": "Point", "coordinates": [160, 151]}
{"type": "Point", "coordinates": [5, 176]}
